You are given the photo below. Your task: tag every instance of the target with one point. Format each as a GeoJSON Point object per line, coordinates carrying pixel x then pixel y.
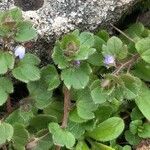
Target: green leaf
{"type": "Point", "coordinates": [6, 87]}
{"type": "Point", "coordinates": [84, 52]}
{"type": "Point", "coordinates": [143, 101]}
{"type": "Point", "coordinates": [40, 122]}
{"type": "Point", "coordinates": [127, 147]}
{"type": "Point", "coordinates": [38, 91]}
{"type": "Point", "coordinates": [44, 143]}
{"type": "Point", "coordinates": [77, 78]}
{"type": "Point", "coordinates": [26, 70]}
{"type": "Point", "coordinates": [103, 112]}
{"type": "Point", "coordinates": [81, 145]}
{"type": "Point", "coordinates": [19, 116]}
{"type": "Point", "coordinates": [16, 14]}
{"type": "Point", "coordinates": [85, 105]}
{"type": "Point", "coordinates": [115, 48]}
{"type": "Point", "coordinates": [20, 137]}
{"type": "Point", "coordinates": [59, 58]}
{"type": "Point", "coordinates": [30, 59]}
{"type": "Point", "coordinates": [96, 59]}
{"type": "Point", "coordinates": [73, 116]}
{"type": "Point", "coordinates": [132, 86]}
{"type": "Point", "coordinates": [87, 39]}
{"type": "Point", "coordinates": [6, 62]}
{"type": "Point", "coordinates": [103, 34]}
{"type": "Point", "coordinates": [76, 129]}
{"type": "Point", "coordinates": [25, 32]}
{"type": "Point", "coordinates": [108, 130]}
{"type": "Point", "coordinates": [6, 131]}
{"type": "Point", "coordinates": [142, 70]}
{"type": "Point", "coordinates": [131, 138]}
{"type": "Point", "coordinates": [134, 125]}
{"type": "Point", "coordinates": [86, 44]}
{"type": "Point", "coordinates": [143, 48]}
{"type": "Point", "coordinates": [145, 133]}
{"type": "Point", "coordinates": [136, 114]}
{"type": "Point", "coordinates": [99, 95]}
{"type": "Point", "coordinates": [61, 136]}
{"type": "Point", "coordinates": [26, 73]}
{"type": "Point", "coordinates": [85, 109]}
{"type": "Point", "coordinates": [51, 77]}
{"type": "Point", "coordinates": [55, 110]}
{"type": "Point", "coordinates": [134, 31]}
{"type": "Point", "coordinates": [100, 146]}
{"type": "Point", "coordinates": [70, 38]}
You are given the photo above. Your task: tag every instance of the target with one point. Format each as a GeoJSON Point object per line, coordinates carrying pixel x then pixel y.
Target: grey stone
{"type": "Point", "coordinates": [57, 17]}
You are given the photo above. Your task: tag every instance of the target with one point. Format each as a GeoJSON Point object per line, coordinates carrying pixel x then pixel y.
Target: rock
{"type": "Point", "coordinates": [52, 18]}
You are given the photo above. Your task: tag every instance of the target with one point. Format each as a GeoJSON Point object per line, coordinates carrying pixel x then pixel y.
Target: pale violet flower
{"type": "Point", "coordinates": [19, 51]}
{"type": "Point", "coordinates": [109, 60]}
{"type": "Point", "coordinates": [76, 63]}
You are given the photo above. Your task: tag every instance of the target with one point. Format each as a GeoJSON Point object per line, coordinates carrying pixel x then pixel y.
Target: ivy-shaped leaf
{"type": "Point", "coordinates": [6, 131]}
{"type": "Point", "coordinates": [26, 69]}
{"type": "Point", "coordinates": [143, 48]}
{"type": "Point", "coordinates": [76, 129]}
{"type": "Point", "coordinates": [73, 116]}
{"type": "Point", "coordinates": [40, 122]}
{"type": "Point", "coordinates": [134, 125]}
{"type": "Point", "coordinates": [131, 138]}
{"type": "Point", "coordinates": [77, 77]}
{"type": "Point", "coordinates": [51, 77]}
{"type": "Point", "coordinates": [85, 105]}
{"type": "Point", "coordinates": [132, 86]}
{"type": "Point", "coordinates": [59, 58]}
{"type": "Point", "coordinates": [145, 131]}
{"type": "Point", "coordinates": [20, 137]}
{"type": "Point", "coordinates": [96, 59]}
{"type": "Point", "coordinates": [115, 48]}
{"type": "Point", "coordinates": [19, 116]}
{"type": "Point", "coordinates": [38, 91]}
{"type": "Point", "coordinates": [6, 87]}
{"type": "Point", "coordinates": [55, 110]}
{"type": "Point", "coordinates": [142, 70]}
{"type": "Point", "coordinates": [6, 62]}
{"type": "Point", "coordinates": [99, 95]}
{"type": "Point", "coordinates": [61, 136]}
{"type": "Point", "coordinates": [16, 14]}
{"type": "Point", "coordinates": [25, 32]}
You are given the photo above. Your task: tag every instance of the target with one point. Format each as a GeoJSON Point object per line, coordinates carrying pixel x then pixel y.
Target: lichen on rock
{"type": "Point", "coordinates": [57, 17]}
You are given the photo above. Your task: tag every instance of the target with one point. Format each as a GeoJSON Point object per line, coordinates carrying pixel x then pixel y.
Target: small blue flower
{"type": "Point", "coordinates": [109, 60]}
{"type": "Point", "coordinates": [77, 63]}
{"type": "Point", "coordinates": [19, 51]}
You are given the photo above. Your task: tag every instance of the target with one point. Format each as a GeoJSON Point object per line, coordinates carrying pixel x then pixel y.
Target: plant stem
{"type": "Point", "coordinates": [66, 107]}
{"type": "Point", "coordinates": [66, 111]}
{"type": "Point", "coordinates": [8, 105]}
{"type": "Point", "coordinates": [128, 63]}
{"type": "Point", "coordinates": [122, 33]}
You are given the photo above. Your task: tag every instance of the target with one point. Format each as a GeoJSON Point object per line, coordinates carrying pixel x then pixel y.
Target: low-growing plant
{"type": "Point", "coordinates": [94, 97]}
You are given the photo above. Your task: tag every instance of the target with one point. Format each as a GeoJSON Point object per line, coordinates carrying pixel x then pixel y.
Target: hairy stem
{"type": "Point", "coordinates": [128, 64]}
{"type": "Point", "coordinates": [66, 111]}
{"type": "Point", "coordinates": [121, 32]}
